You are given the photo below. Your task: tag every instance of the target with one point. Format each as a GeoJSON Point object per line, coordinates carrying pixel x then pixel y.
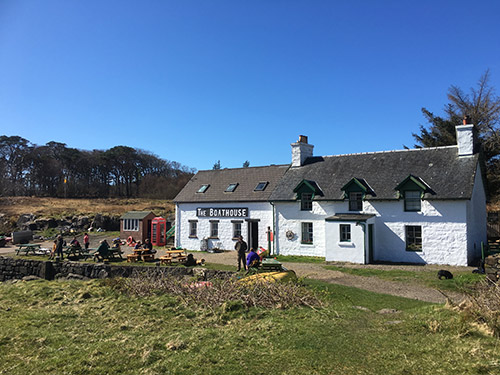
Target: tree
{"type": "Point", "coordinates": [216, 165]}
{"type": "Point", "coordinates": [246, 164]}
{"type": "Point", "coordinates": [482, 108]}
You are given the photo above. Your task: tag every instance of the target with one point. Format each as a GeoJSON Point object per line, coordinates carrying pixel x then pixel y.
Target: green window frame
{"type": "Point", "coordinates": [306, 201]}
{"type": "Point", "coordinates": [345, 232]}
{"type": "Point", "coordinates": [355, 201]}
{"type": "Point", "coordinates": [307, 233]}
{"type": "Point", "coordinates": [413, 235]}
{"type": "Point", "coordinates": [413, 200]}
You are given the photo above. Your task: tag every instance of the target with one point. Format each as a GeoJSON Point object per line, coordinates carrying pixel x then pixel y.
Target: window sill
{"type": "Point", "coordinates": [307, 243]}
{"type": "Point", "coordinates": [345, 244]}
{"type": "Point", "coordinates": [414, 250]}
{"type": "Point", "coordinates": [213, 238]}
{"type": "Point", "coordinates": [235, 238]}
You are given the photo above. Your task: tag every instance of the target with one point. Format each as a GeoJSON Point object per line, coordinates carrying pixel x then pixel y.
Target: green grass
{"type": "Point", "coordinates": [299, 259]}
{"type": "Point", "coordinates": [77, 327]}
{"type": "Point", "coordinates": [461, 280]}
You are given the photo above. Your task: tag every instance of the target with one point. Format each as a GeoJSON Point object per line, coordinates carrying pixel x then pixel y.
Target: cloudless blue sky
{"type": "Point", "coordinates": [198, 81]}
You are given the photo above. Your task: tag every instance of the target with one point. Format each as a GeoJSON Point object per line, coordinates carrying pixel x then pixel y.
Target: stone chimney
{"type": "Point", "coordinates": [301, 150]}
{"type": "Point", "coordinates": [465, 138]}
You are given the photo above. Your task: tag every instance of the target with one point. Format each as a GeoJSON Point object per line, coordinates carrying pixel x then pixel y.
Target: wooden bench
{"type": "Point", "coordinates": [133, 258]}
{"type": "Point", "coordinates": [27, 248]}
{"type": "Point", "coordinates": [173, 256]}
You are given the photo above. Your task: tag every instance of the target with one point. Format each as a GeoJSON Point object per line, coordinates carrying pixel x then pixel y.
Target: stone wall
{"type": "Point", "coordinates": [492, 267]}
{"type": "Point", "coordinates": [11, 268]}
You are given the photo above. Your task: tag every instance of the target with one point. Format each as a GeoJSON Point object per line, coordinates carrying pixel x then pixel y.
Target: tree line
{"type": "Point", "coordinates": [55, 170]}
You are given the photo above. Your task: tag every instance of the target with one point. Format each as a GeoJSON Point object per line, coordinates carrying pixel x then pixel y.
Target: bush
{"type": "Point", "coordinates": [482, 305]}
{"type": "Point", "coordinates": [230, 294]}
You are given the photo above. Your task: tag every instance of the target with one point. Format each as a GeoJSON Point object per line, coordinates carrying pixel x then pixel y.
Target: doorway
{"type": "Point", "coordinates": [370, 243]}
{"type": "Point", "coordinates": [253, 234]}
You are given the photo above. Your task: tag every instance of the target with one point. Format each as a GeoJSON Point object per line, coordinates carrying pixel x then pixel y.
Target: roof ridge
{"type": "Point", "coordinates": [233, 169]}
{"type": "Point", "coordinates": [390, 151]}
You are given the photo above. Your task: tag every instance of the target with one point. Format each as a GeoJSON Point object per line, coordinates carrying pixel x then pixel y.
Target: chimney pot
{"type": "Point", "coordinates": [303, 138]}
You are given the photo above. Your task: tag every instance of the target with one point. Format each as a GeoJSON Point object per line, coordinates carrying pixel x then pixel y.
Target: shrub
{"type": "Point", "coordinates": [229, 293]}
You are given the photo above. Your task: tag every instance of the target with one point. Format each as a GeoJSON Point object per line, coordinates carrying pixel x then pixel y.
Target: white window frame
{"type": "Point", "coordinates": [131, 225]}
{"type": "Point", "coordinates": [237, 229]}
{"type": "Point", "coordinates": [193, 228]}
{"type": "Point", "coordinates": [214, 229]}
{"type": "Point", "coordinates": [413, 201]}
{"type": "Point", "coordinates": [307, 236]}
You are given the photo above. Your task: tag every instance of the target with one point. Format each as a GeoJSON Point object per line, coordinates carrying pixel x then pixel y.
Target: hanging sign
{"type": "Point", "coordinates": [222, 212]}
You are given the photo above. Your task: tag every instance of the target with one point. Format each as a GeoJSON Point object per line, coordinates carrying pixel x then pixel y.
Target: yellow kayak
{"type": "Point", "coordinates": [282, 276]}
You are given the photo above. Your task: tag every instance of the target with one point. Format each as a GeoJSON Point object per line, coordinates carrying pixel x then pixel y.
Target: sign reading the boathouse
{"type": "Point", "coordinates": [222, 212]}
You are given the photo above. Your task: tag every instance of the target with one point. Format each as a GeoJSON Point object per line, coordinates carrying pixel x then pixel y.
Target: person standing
{"type": "Point", "coordinates": [86, 241]}
{"type": "Point", "coordinates": [241, 248]}
{"type": "Point", "coordinates": [59, 247]}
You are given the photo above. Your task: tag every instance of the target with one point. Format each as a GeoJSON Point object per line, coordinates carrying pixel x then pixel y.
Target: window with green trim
{"type": "Point", "coordinates": [345, 232]}
{"type": "Point", "coordinates": [307, 233]}
{"type": "Point", "coordinates": [355, 201]}
{"type": "Point", "coordinates": [413, 201]}
{"type": "Point", "coordinates": [413, 237]}
{"type": "Point", "coordinates": [306, 202]}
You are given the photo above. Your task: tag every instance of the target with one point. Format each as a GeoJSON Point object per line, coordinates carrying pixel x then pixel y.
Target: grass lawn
{"type": "Point", "coordinates": [461, 280]}
{"type": "Point", "coordinates": [299, 259]}
{"type": "Point", "coordinates": [88, 327]}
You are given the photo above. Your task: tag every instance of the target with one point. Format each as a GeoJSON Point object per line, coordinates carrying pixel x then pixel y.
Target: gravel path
{"type": "Point", "coordinates": [373, 284]}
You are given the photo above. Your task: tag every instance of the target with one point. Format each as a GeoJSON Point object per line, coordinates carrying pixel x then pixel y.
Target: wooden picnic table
{"type": "Point", "coordinates": [28, 247]}
{"type": "Point", "coordinates": [78, 252]}
{"type": "Point", "coordinates": [140, 254]}
{"type": "Point", "coordinates": [173, 256]}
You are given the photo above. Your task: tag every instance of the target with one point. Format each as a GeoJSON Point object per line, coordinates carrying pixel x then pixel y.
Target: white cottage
{"type": "Point", "coordinates": [418, 206]}
{"type": "Point", "coordinates": [219, 205]}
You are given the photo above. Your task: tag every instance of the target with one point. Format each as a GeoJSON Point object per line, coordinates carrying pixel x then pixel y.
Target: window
{"type": "Point", "coordinates": [306, 202]}
{"type": "Point", "coordinates": [307, 233]}
{"type": "Point", "coordinates": [131, 225]}
{"type": "Point", "coordinates": [231, 188]}
{"type": "Point", "coordinates": [203, 188]}
{"type": "Point", "coordinates": [413, 237]}
{"type": "Point", "coordinates": [355, 201]}
{"type": "Point", "coordinates": [214, 229]}
{"type": "Point", "coordinates": [193, 228]}
{"type": "Point", "coordinates": [412, 200]}
{"type": "Point", "coordinates": [260, 186]}
{"type": "Point", "coordinates": [345, 232]}
{"type": "Point", "coordinates": [237, 229]}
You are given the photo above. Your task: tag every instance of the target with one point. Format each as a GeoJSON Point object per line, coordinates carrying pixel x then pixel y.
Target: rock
{"type": "Point", "coordinates": [387, 311]}
{"type": "Point", "coordinates": [74, 276]}
{"type": "Point", "coordinates": [361, 308]}
{"type": "Point", "coordinates": [30, 278]}
{"type": "Point", "coordinates": [102, 274]}
{"type": "Point", "coordinates": [24, 219]}
{"type": "Point", "coordinates": [86, 295]}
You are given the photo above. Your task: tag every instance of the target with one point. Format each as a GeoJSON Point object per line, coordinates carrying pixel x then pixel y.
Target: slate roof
{"type": "Point", "coordinates": [219, 179]}
{"type": "Point", "coordinates": [139, 215]}
{"type": "Point", "coordinates": [449, 176]}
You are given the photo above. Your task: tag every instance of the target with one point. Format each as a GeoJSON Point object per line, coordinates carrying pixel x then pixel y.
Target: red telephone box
{"type": "Point", "coordinates": [158, 231]}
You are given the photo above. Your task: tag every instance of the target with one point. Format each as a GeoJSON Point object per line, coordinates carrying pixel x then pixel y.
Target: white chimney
{"type": "Point", "coordinates": [301, 150]}
{"type": "Point", "coordinates": [465, 139]}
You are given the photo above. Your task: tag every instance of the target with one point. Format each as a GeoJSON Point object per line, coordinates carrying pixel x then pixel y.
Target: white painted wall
{"type": "Point", "coordinates": [476, 219]}
{"type": "Point", "coordinates": [353, 251]}
{"type": "Point", "coordinates": [187, 211]}
{"type": "Point", "coordinates": [444, 230]}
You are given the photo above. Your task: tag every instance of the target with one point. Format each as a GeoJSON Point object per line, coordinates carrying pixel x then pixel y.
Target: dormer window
{"type": "Point", "coordinates": [231, 188]}
{"type": "Point", "coordinates": [203, 188]}
{"type": "Point", "coordinates": [355, 201]}
{"type": "Point", "coordinates": [355, 191]}
{"type": "Point", "coordinates": [306, 190]}
{"type": "Point", "coordinates": [261, 186]}
{"type": "Point", "coordinates": [412, 190]}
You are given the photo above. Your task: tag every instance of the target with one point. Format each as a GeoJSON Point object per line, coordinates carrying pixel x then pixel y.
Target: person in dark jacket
{"type": "Point", "coordinates": [59, 247]}
{"type": "Point", "coordinates": [241, 248]}
{"type": "Point", "coordinates": [102, 251]}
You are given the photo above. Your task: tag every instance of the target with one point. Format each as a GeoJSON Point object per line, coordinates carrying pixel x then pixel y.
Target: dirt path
{"type": "Point", "coordinates": [373, 284]}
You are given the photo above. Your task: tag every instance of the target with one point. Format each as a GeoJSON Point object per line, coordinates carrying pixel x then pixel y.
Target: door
{"type": "Point", "coordinates": [253, 234]}
{"type": "Point", "coordinates": [370, 243]}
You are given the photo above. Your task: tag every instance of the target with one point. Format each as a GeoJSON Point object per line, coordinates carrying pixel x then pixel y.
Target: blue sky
{"type": "Point", "coordinates": [198, 81]}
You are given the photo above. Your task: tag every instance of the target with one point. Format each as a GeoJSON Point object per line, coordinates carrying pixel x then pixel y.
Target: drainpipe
{"type": "Point", "coordinates": [274, 230]}
{"type": "Point", "coordinates": [363, 225]}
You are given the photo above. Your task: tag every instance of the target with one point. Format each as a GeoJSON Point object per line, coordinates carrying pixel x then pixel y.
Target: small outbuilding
{"type": "Point", "coordinates": [136, 224]}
